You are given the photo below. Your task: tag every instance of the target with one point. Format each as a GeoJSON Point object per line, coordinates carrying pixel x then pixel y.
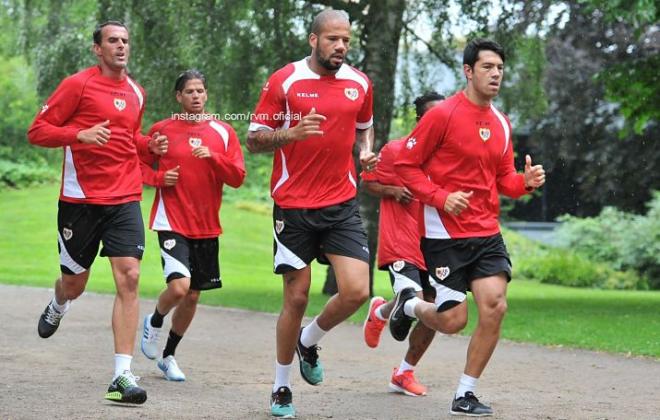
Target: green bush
{"type": "Point", "coordinates": [624, 241]}
{"type": "Point", "coordinates": [567, 269]}
{"type": "Point", "coordinates": [18, 175]}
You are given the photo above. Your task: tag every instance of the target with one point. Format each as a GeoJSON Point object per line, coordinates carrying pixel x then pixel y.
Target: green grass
{"type": "Point", "coordinates": [614, 321]}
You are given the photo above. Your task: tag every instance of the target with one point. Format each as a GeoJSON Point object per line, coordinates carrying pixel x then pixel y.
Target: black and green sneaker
{"type": "Point", "coordinates": [124, 389]}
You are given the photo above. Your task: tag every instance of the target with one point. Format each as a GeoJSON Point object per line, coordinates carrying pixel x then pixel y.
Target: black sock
{"type": "Point", "coordinates": [172, 342]}
{"type": "Point", "coordinates": [157, 319]}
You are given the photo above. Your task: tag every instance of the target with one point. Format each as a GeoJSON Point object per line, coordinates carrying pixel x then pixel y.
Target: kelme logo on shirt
{"type": "Point", "coordinates": [351, 93]}
{"type": "Point", "coordinates": [484, 133]}
{"type": "Point", "coordinates": [411, 143]}
{"type": "Point", "coordinates": [120, 104]}
{"type": "Point", "coordinates": [398, 265]}
{"type": "Point", "coordinates": [195, 141]}
{"type": "Point", "coordinates": [169, 244]}
{"type": "Point", "coordinates": [442, 272]}
{"type": "Point", "coordinates": [67, 233]}
{"type": "Point", "coordinates": [279, 226]}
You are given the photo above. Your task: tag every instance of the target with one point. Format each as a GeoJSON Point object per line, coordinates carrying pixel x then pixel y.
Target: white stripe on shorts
{"type": "Point", "coordinates": [285, 256]}
{"type": "Point", "coordinates": [66, 260]}
{"type": "Point", "coordinates": [172, 265]}
{"type": "Point", "coordinates": [401, 281]}
{"type": "Point", "coordinates": [445, 294]}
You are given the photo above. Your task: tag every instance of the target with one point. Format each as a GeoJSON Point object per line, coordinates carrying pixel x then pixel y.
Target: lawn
{"type": "Point", "coordinates": [615, 321]}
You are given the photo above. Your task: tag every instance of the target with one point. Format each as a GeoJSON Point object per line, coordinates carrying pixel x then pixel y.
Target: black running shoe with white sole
{"type": "Point", "coordinates": [49, 321]}
{"type": "Point", "coordinates": [469, 405]}
{"type": "Point", "coordinates": [400, 323]}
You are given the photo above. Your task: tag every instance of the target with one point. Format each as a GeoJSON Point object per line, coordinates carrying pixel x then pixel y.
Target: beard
{"type": "Point", "coordinates": [325, 62]}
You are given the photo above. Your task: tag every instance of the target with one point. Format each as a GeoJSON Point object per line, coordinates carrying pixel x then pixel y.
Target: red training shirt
{"type": "Point", "coordinates": [398, 234]}
{"type": "Point", "coordinates": [318, 171]}
{"type": "Point", "coordinates": [460, 146]}
{"type": "Point", "coordinates": [191, 207]}
{"type": "Point", "coordinates": [108, 174]}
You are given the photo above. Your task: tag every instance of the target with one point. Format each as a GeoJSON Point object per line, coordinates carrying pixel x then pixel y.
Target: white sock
{"type": "Point", "coordinates": [409, 306]}
{"type": "Point", "coordinates": [60, 308]}
{"type": "Point", "coordinates": [404, 366]}
{"type": "Point", "coordinates": [311, 334]}
{"type": "Point", "coordinates": [282, 376]}
{"type": "Point", "coordinates": [467, 383]}
{"type": "Point", "coordinates": [379, 314]}
{"type": "Point", "coordinates": [122, 363]}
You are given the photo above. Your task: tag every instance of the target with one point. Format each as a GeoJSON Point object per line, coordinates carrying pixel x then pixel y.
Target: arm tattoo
{"type": "Point", "coordinates": [267, 141]}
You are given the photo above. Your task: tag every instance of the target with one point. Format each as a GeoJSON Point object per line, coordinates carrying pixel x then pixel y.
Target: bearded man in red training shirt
{"type": "Point", "coordinates": [95, 115]}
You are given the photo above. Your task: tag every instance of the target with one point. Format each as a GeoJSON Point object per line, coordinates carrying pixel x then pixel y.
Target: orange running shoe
{"type": "Point", "coordinates": [406, 383]}
{"type": "Point", "coordinates": [373, 326]}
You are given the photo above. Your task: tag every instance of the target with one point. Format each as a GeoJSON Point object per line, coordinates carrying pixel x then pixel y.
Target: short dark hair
{"type": "Point", "coordinates": [97, 32]}
{"type": "Point", "coordinates": [471, 51]}
{"type": "Point", "coordinates": [421, 101]}
{"type": "Point", "coordinates": [188, 75]}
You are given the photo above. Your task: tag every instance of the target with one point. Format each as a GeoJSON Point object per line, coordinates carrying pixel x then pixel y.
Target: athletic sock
{"type": "Point", "coordinates": [282, 376]}
{"type": "Point", "coordinates": [157, 319]}
{"type": "Point", "coordinates": [60, 308]}
{"type": "Point", "coordinates": [404, 366]}
{"type": "Point", "coordinates": [122, 364]}
{"type": "Point", "coordinates": [172, 342]}
{"type": "Point", "coordinates": [379, 314]}
{"type": "Point", "coordinates": [409, 306]}
{"type": "Point", "coordinates": [311, 334]}
{"type": "Point", "coordinates": [467, 383]}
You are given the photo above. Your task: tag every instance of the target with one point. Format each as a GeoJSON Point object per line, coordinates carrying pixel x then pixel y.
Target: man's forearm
{"type": "Point", "coordinates": [365, 139]}
{"type": "Point", "coordinates": [262, 141]}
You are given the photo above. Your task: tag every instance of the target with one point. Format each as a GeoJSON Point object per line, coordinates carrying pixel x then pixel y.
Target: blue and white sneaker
{"type": "Point", "coordinates": [171, 369]}
{"type": "Point", "coordinates": [149, 341]}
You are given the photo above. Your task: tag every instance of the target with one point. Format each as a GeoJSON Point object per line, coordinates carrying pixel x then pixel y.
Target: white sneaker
{"type": "Point", "coordinates": [171, 369]}
{"type": "Point", "coordinates": [149, 342]}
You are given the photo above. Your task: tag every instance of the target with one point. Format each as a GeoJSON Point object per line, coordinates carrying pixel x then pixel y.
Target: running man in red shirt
{"type": "Point", "coordinates": [399, 254]}
{"type": "Point", "coordinates": [308, 115]}
{"type": "Point", "coordinates": [456, 161]}
{"type": "Point", "coordinates": [95, 116]}
{"type": "Point", "coordinates": [203, 155]}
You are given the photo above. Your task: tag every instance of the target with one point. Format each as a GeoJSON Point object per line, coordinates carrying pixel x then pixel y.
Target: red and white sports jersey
{"type": "Point", "coordinates": [191, 207]}
{"type": "Point", "coordinates": [318, 171]}
{"type": "Point", "coordinates": [460, 146]}
{"type": "Point", "coordinates": [108, 174]}
{"type": "Point", "coordinates": [398, 233]}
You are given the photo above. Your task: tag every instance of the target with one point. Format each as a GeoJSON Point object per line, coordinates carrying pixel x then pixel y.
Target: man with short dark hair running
{"type": "Point", "coordinates": [95, 115]}
{"type": "Point", "coordinates": [399, 254]}
{"type": "Point", "coordinates": [456, 161]}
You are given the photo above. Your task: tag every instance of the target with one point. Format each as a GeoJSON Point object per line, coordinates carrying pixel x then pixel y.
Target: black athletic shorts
{"type": "Point", "coordinates": [82, 227]}
{"type": "Point", "coordinates": [454, 263]}
{"type": "Point", "coordinates": [196, 259]}
{"type": "Point", "coordinates": [404, 274]}
{"type": "Point", "coordinates": [300, 235]}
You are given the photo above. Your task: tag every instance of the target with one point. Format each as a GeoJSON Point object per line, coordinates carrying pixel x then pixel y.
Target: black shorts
{"type": "Point", "coordinates": [454, 263]}
{"type": "Point", "coordinates": [404, 274]}
{"type": "Point", "coordinates": [196, 259]}
{"type": "Point", "coordinates": [300, 235]}
{"type": "Point", "coordinates": [82, 227]}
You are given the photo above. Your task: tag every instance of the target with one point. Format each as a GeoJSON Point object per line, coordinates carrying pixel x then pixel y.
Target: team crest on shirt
{"type": "Point", "coordinates": [67, 233]}
{"type": "Point", "coordinates": [195, 141]}
{"type": "Point", "coordinates": [484, 133]}
{"type": "Point", "coordinates": [169, 244]}
{"type": "Point", "coordinates": [398, 265]}
{"type": "Point", "coordinates": [279, 226]}
{"type": "Point", "coordinates": [120, 104]}
{"type": "Point", "coordinates": [351, 93]}
{"type": "Point", "coordinates": [442, 272]}
{"type": "Point", "coordinates": [411, 143]}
